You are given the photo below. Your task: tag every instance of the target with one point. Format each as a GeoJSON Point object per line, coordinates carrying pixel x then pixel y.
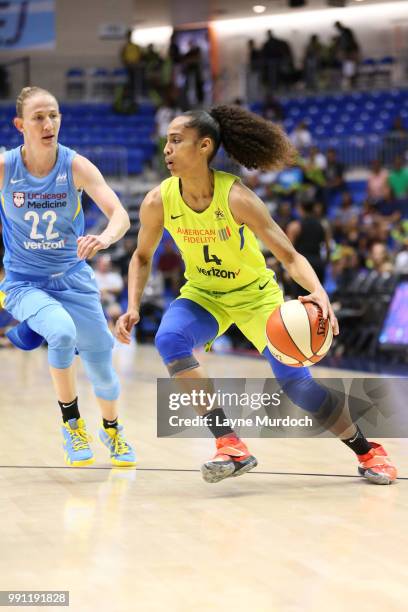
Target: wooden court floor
{"type": "Point", "coordinates": [302, 533]}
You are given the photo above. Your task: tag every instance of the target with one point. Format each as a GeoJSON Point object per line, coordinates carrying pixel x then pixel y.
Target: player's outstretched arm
{"type": "Point", "coordinates": [87, 176]}
{"type": "Point", "coordinates": [247, 208]}
{"type": "Point", "coordinates": [150, 232]}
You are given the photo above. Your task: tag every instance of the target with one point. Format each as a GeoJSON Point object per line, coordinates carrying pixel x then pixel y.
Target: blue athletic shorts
{"type": "Point", "coordinates": [77, 293]}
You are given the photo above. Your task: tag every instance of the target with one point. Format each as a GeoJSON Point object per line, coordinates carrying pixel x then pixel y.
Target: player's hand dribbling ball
{"type": "Point", "coordinates": [297, 334]}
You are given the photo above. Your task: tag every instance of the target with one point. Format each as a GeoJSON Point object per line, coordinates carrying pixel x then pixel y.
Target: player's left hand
{"type": "Point", "coordinates": [321, 298]}
{"type": "Point", "coordinates": [89, 245]}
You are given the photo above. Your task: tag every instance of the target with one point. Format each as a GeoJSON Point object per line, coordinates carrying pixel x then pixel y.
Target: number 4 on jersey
{"type": "Point", "coordinates": [211, 258]}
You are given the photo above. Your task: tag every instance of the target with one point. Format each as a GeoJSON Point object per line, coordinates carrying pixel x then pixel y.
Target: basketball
{"type": "Point", "coordinates": [297, 334]}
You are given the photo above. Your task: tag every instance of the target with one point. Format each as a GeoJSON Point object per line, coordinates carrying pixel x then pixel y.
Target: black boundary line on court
{"type": "Point", "coordinates": [68, 467]}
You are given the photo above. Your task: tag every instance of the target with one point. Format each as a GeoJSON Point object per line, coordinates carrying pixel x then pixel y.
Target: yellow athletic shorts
{"type": "Point", "coordinates": [249, 307]}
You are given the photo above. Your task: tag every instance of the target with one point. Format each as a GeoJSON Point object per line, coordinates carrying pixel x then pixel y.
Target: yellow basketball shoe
{"type": "Point", "coordinates": [76, 443]}
{"type": "Point", "coordinates": [121, 452]}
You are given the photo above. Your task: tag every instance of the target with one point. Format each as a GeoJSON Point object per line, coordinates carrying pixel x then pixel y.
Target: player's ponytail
{"type": "Point", "coordinates": [251, 140]}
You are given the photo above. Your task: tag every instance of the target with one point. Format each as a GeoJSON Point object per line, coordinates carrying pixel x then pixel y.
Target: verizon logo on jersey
{"type": "Point", "coordinates": [218, 273]}
{"type": "Point", "coordinates": [43, 246]}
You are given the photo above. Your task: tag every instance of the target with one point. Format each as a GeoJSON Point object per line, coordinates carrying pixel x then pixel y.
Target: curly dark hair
{"type": "Point", "coordinates": [251, 140]}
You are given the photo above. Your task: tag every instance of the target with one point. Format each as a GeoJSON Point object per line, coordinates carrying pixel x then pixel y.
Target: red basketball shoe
{"type": "Point", "coordinates": [376, 467]}
{"type": "Point", "coordinates": [231, 459]}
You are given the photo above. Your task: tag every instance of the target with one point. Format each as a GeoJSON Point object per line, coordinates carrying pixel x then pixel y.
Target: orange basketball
{"type": "Point", "coordinates": [297, 334]}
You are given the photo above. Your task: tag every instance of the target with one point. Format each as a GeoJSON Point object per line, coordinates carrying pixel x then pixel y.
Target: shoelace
{"type": "Point", "coordinates": [119, 445]}
{"type": "Point", "coordinates": [80, 439]}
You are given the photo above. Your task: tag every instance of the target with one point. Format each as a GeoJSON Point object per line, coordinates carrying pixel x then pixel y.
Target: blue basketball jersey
{"type": "Point", "coordinates": [41, 217]}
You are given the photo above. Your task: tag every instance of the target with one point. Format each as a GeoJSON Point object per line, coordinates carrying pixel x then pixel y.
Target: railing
{"type": "Point", "coordinates": [352, 151]}
{"type": "Point", "coordinates": [361, 151]}
{"type": "Point", "coordinates": [255, 82]}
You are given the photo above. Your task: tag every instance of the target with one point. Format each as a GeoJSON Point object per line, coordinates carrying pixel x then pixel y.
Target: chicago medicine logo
{"type": "Point", "coordinates": [18, 199]}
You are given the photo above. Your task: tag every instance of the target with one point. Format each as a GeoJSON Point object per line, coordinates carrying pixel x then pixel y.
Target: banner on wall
{"type": "Point", "coordinates": [27, 24]}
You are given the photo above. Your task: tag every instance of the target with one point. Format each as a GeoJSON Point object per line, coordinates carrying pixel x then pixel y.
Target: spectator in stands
{"type": "Point", "coordinates": [289, 183]}
{"type": "Point", "coordinates": [123, 102]}
{"type": "Point", "coordinates": [312, 62]}
{"type": "Point", "coordinates": [253, 179]}
{"type": "Point", "coordinates": [171, 267]}
{"type": "Point", "coordinates": [344, 215]}
{"type": "Point", "coordinates": [331, 62]}
{"type": "Point", "coordinates": [309, 238]}
{"type": "Point", "coordinates": [401, 260]}
{"type": "Point", "coordinates": [399, 233]}
{"type": "Point", "coordinates": [254, 57]}
{"type": "Point", "coordinates": [110, 284]}
{"type": "Point", "coordinates": [395, 141]}
{"type": "Point", "coordinates": [287, 72]}
{"type": "Point", "coordinates": [348, 53]}
{"type": "Point", "coordinates": [273, 109]}
{"type": "Point", "coordinates": [352, 232]}
{"type": "Point", "coordinates": [313, 167]}
{"type": "Point", "coordinates": [194, 82]}
{"type": "Point", "coordinates": [173, 73]}
{"type": "Point", "coordinates": [163, 117]}
{"type": "Point", "coordinates": [334, 175]}
{"type": "Point", "coordinates": [345, 265]}
{"type": "Point", "coordinates": [398, 179]}
{"type": "Point", "coordinates": [131, 55]}
{"type": "Point", "coordinates": [398, 128]}
{"type": "Point", "coordinates": [174, 50]}
{"type": "Point", "coordinates": [320, 214]}
{"type": "Point", "coordinates": [284, 214]}
{"type": "Point", "coordinates": [369, 214]}
{"type": "Point", "coordinates": [277, 60]}
{"type": "Point", "coordinates": [379, 258]}
{"type": "Point", "coordinates": [271, 56]}
{"type": "Point", "coordinates": [301, 137]}
{"type": "Point", "coordinates": [377, 183]}
{"type": "Point", "coordinates": [153, 64]}
{"type": "Point", "coordinates": [122, 257]}
{"type": "Point", "coordinates": [390, 208]}
{"type": "Point", "coordinates": [316, 159]}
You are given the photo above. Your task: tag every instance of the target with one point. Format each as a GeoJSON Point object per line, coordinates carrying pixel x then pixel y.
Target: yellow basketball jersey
{"type": "Point", "coordinates": [219, 254]}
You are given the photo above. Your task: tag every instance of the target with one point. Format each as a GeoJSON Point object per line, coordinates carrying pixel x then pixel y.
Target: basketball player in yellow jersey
{"type": "Point", "coordinates": [215, 222]}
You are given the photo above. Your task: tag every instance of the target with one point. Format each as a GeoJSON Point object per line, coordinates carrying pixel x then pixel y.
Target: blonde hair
{"type": "Point", "coordinates": [29, 92]}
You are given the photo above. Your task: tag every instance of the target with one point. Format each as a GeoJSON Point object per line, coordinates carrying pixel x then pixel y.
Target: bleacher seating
{"type": "Point", "coordinates": [96, 125]}
{"type": "Point", "coordinates": [336, 120]}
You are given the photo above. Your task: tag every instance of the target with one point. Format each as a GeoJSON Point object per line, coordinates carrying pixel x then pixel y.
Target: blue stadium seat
{"type": "Point", "coordinates": [75, 83]}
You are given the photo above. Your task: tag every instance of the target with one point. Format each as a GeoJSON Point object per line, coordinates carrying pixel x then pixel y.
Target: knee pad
{"type": "Point", "coordinates": [176, 351]}
{"type": "Point", "coordinates": [100, 372]}
{"type": "Point", "coordinates": [173, 345]}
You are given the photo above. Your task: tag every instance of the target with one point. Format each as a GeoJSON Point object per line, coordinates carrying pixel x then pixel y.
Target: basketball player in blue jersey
{"type": "Point", "coordinates": [215, 221]}
{"type": "Point", "coordinates": [48, 285]}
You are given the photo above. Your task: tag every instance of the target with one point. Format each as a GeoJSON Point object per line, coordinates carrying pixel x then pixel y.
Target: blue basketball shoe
{"type": "Point", "coordinates": [76, 443]}
{"type": "Point", "coordinates": [122, 454]}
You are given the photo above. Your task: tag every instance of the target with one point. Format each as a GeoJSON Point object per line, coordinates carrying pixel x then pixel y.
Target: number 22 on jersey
{"type": "Point", "coordinates": [49, 216]}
